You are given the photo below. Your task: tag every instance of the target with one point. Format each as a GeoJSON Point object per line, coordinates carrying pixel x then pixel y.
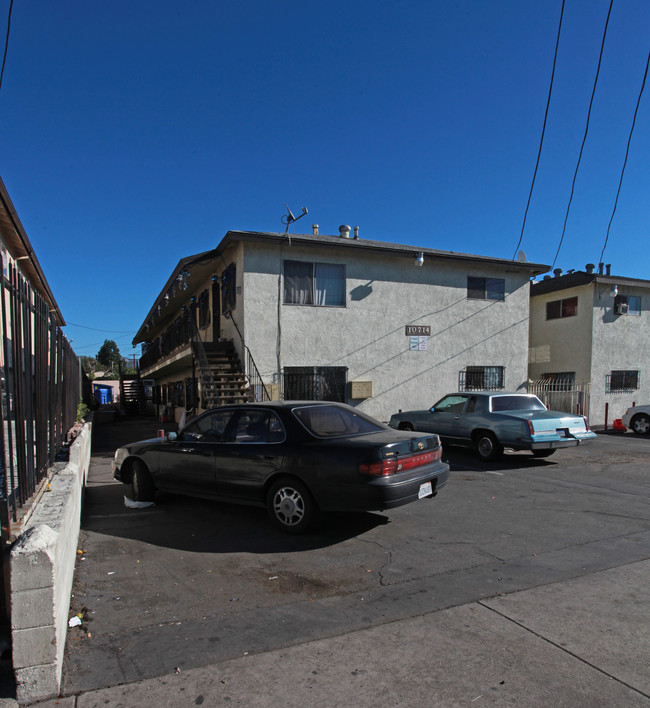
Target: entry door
{"type": "Point", "coordinates": [216, 310]}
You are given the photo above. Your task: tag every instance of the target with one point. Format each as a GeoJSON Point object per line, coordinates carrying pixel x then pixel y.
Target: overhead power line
{"type": "Point", "coordinates": [627, 152]}
{"type": "Point", "coordinates": [95, 329]}
{"type": "Point", "coordinates": [4, 56]}
{"type": "Point", "coordinates": [541, 142]}
{"type": "Point", "coordinates": [584, 138]}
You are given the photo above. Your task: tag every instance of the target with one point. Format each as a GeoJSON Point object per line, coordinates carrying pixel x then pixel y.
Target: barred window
{"type": "Point", "coordinates": [560, 381]}
{"type": "Point", "coordinates": [622, 381]}
{"type": "Point", "coordinates": [315, 383]}
{"type": "Point", "coordinates": [481, 378]}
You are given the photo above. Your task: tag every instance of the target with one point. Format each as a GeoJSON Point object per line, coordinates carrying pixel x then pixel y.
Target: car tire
{"type": "Point", "coordinates": [542, 453]}
{"type": "Point", "coordinates": [640, 424]}
{"type": "Point", "coordinates": [290, 506]}
{"type": "Point", "coordinates": [486, 445]}
{"type": "Point", "coordinates": [406, 426]}
{"type": "Point", "coordinates": [142, 489]}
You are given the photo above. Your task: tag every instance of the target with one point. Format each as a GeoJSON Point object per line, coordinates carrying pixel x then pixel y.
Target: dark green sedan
{"type": "Point", "coordinates": [295, 458]}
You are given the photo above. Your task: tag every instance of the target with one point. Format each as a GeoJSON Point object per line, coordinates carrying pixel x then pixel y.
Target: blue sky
{"type": "Point", "coordinates": [135, 133]}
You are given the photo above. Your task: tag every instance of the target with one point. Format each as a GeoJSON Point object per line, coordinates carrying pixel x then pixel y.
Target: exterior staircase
{"type": "Point", "coordinates": [132, 398]}
{"type": "Point", "coordinates": [221, 374]}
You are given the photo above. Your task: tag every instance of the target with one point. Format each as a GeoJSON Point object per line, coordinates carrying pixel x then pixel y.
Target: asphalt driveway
{"type": "Point", "coordinates": [191, 583]}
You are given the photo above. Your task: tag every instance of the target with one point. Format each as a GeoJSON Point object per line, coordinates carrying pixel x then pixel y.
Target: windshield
{"type": "Point", "coordinates": [516, 403]}
{"type": "Point", "coordinates": [334, 422]}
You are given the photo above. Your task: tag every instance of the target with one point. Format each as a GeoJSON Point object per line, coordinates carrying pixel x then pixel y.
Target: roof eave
{"type": "Point", "coordinates": [19, 246]}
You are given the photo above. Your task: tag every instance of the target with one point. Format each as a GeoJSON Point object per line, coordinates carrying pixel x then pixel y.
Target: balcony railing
{"type": "Point", "coordinates": [178, 335]}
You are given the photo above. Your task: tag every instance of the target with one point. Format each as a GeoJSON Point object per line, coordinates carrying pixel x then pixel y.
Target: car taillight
{"type": "Point", "coordinates": [586, 423]}
{"type": "Point", "coordinates": [529, 423]}
{"type": "Point", "coordinates": [384, 468]}
{"type": "Point", "coordinates": [379, 469]}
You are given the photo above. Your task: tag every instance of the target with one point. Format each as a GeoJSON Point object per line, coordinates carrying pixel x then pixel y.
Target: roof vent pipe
{"type": "Point", "coordinates": [314, 228]}
{"type": "Point", "coordinates": [608, 269]}
{"type": "Point", "coordinates": [557, 272]}
{"type": "Point", "coordinates": [356, 232]}
{"type": "Point", "coordinates": [600, 268]}
{"type": "Point", "coordinates": [590, 268]}
{"type": "Point", "coordinates": [344, 231]}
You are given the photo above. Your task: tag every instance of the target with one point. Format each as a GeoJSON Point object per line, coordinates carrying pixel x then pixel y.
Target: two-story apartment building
{"type": "Point", "coordinates": [590, 332]}
{"type": "Point", "coordinates": [381, 326]}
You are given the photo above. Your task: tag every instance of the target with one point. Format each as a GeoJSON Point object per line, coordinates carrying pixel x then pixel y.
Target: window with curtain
{"type": "Point", "coordinates": [558, 309]}
{"type": "Point", "coordinates": [320, 284]}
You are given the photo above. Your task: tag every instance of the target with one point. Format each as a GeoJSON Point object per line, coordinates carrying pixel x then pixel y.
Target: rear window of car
{"type": "Point", "coordinates": [516, 403]}
{"type": "Point", "coordinates": [335, 422]}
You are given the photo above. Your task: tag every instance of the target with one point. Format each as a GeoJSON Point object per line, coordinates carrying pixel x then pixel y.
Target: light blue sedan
{"type": "Point", "coordinates": [491, 421]}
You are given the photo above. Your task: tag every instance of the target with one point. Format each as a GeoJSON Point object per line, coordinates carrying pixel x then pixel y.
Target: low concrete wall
{"type": "Point", "coordinates": [42, 567]}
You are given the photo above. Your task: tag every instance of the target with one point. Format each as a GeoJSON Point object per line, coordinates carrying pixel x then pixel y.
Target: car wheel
{"type": "Point", "coordinates": [487, 446]}
{"type": "Point", "coordinates": [290, 506]}
{"type": "Point", "coordinates": [543, 453]}
{"type": "Point", "coordinates": [142, 489]}
{"type": "Point", "coordinates": [405, 426]}
{"type": "Point", "coordinates": [640, 424]}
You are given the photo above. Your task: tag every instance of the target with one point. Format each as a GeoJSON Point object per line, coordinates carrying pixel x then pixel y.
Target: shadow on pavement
{"type": "Point", "coordinates": [194, 524]}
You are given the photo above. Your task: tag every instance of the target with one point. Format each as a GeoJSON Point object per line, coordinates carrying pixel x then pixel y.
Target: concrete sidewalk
{"type": "Point", "coordinates": [578, 642]}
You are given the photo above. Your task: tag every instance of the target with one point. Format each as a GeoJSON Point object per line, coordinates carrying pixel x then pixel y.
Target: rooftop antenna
{"type": "Point", "coordinates": [289, 218]}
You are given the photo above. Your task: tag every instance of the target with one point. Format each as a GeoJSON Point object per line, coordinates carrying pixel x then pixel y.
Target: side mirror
{"type": "Point", "coordinates": [172, 436]}
{"type": "Point", "coordinates": [432, 409]}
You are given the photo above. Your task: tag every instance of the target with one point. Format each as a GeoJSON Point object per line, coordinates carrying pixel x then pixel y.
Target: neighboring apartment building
{"type": "Point", "coordinates": [590, 334]}
{"type": "Point", "coordinates": [381, 326]}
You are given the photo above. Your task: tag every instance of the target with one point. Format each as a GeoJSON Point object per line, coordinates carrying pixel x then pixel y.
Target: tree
{"type": "Point", "coordinates": [89, 366]}
{"type": "Point", "coordinates": [109, 356]}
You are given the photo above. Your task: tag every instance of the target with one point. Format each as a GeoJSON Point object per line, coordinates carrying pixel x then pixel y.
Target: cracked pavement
{"type": "Point", "coordinates": [191, 583]}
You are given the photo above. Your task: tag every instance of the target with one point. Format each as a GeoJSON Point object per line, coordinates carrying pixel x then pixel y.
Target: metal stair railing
{"type": "Point", "coordinates": [257, 385]}
{"type": "Point", "coordinates": [205, 370]}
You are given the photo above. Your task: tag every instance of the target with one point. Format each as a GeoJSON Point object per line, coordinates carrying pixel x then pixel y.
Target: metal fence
{"type": "Point", "coordinates": [40, 378]}
{"type": "Point", "coordinates": [565, 396]}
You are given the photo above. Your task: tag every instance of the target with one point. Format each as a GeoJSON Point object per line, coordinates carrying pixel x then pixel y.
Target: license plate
{"type": "Point", "coordinates": [425, 490]}
{"type": "Point", "coordinates": [561, 432]}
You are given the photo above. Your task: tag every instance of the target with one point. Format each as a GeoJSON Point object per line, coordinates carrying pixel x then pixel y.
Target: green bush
{"type": "Point", "coordinates": [82, 411]}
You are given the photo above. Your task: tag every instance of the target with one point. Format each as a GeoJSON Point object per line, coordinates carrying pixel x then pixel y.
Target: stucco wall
{"type": "Point", "coordinates": [593, 344]}
{"type": "Point", "coordinates": [384, 294]}
{"type": "Point", "coordinates": [562, 344]}
{"type": "Point", "coordinates": [620, 342]}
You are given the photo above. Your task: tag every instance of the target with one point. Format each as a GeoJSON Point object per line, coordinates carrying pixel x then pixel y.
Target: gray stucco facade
{"type": "Point", "coordinates": [603, 342]}
{"type": "Point", "coordinates": [384, 293]}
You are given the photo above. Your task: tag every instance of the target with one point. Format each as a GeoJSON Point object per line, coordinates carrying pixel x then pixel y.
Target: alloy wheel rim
{"type": "Point", "coordinates": [289, 506]}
